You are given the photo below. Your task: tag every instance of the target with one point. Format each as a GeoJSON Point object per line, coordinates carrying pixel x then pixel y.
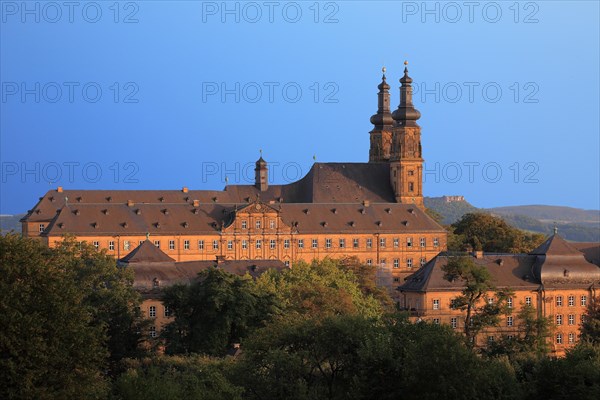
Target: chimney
{"type": "Point", "coordinates": [184, 189]}
{"type": "Point", "coordinates": [220, 259]}
{"type": "Point", "coordinates": [366, 203]}
{"type": "Point", "coordinates": [59, 189]}
{"type": "Point", "coordinates": [478, 254]}
{"type": "Point", "coordinates": [130, 203]}
{"type": "Point", "coordinates": [196, 203]}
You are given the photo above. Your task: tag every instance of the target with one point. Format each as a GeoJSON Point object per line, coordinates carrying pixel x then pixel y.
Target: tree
{"type": "Point", "coordinates": [354, 357]}
{"type": "Point", "coordinates": [590, 329]}
{"type": "Point", "coordinates": [51, 347]}
{"type": "Point", "coordinates": [481, 231]}
{"type": "Point", "coordinates": [175, 378]}
{"type": "Point", "coordinates": [110, 295]}
{"type": "Point", "coordinates": [216, 311]}
{"type": "Point", "coordinates": [319, 289]}
{"type": "Point", "coordinates": [481, 309]}
{"type": "Point", "coordinates": [576, 376]}
{"type": "Point", "coordinates": [532, 342]}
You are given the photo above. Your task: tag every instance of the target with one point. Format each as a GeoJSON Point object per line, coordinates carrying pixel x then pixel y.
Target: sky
{"type": "Point", "coordinates": [166, 94]}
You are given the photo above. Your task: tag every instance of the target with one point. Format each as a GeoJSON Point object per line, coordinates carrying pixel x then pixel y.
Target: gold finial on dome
{"type": "Point", "coordinates": [405, 62]}
{"type": "Point", "coordinates": [383, 69]}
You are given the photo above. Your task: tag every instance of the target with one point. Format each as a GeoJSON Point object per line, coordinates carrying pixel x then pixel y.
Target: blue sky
{"type": "Point", "coordinates": [160, 95]}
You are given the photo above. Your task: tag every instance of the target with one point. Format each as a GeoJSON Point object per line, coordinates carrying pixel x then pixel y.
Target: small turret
{"type": "Point", "coordinates": [261, 176]}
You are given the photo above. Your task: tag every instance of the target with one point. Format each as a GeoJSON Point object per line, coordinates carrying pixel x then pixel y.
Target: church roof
{"type": "Point", "coordinates": [360, 194]}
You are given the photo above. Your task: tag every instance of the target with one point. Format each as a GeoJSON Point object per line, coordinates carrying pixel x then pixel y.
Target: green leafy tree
{"type": "Point", "coordinates": [175, 378]}
{"type": "Point", "coordinates": [319, 289]}
{"type": "Point", "coordinates": [481, 310]}
{"type": "Point", "coordinates": [354, 357]}
{"type": "Point", "coordinates": [216, 311]}
{"type": "Point", "coordinates": [481, 231]}
{"type": "Point", "coordinates": [51, 346]}
{"type": "Point", "coordinates": [575, 376]}
{"type": "Point", "coordinates": [590, 329]}
{"type": "Point", "coordinates": [110, 295]}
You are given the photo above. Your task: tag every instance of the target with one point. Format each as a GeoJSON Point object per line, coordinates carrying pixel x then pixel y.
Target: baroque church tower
{"type": "Point", "coordinates": [381, 135]}
{"type": "Point", "coordinates": [405, 159]}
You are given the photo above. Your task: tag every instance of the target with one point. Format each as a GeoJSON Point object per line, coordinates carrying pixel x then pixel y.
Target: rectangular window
{"type": "Point", "coordinates": [490, 300]}
{"type": "Point", "coordinates": [244, 244]}
{"type": "Point", "coordinates": [327, 243]}
{"type": "Point", "coordinates": [396, 242]}
{"type": "Point", "coordinates": [436, 242]}
{"type": "Point", "coordinates": [490, 339]}
{"type": "Point", "coordinates": [111, 245]}
{"type": "Point", "coordinates": [423, 242]}
{"type": "Point", "coordinates": [409, 242]}
{"type": "Point", "coordinates": [272, 244]}
{"type": "Point", "coordinates": [509, 321]}
{"type": "Point", "coordinates": [258, 244]}
{"type": "Point", "coordinates": [559, 301]}
{"type": "Point", "coordinates": [436, 321]}
{"type": "Point", "coordinates": [272, 224]}
{"type": "Point", "coordinates": [453, 322]}
{"type": "Point", "coordinates": [559, 338]}
{"type": "Point", "coordinates": [422, 261]}
{"type": "Point", "coordinates": [559, 319]}
{"type": "Point", "coordinates": [287, 264]}
{"type": "Point", "coordinates": [257, 224]}
{"type": "Point", "coordinates": [396, 279]}
{"type": "Point", "coordinates": [369, 261]}
{"type": "Point", "coordinates": [230, 245]}
{"type": "Point", "coordinates": [200, 244]}
{"type": "Point", "coordinates": [186, 244]}
{"type": "Point", "coordinates": [528, 301]}
{"type": "Point", "coordinates": [369, 243]}
{"type": "Point", "coordinates": [509, 302]}
{"type": "Point", "coordinates": [167, 311]}
{"type": "Point", "coordinates": [96, 243]}
{"type": "Point", "coordinates": [342, 243]}
{"type": "Point", "coordinates": [396, 263]}
{"type": "Point", "coordinates": [300, 243]}
{"type": "Point", "coordinates": [355, 243]}
{"type": "Point", "coordinates": [571, 301]}
{"type": "Point", "coordinates": [571, 338]}
{"type": "Point", "coordinates": [315, 243]}
{"type": "Point", "coordinates": [171, 245]}
{"type": "Point", "coordinates": [215, 244]}
{"type": "Point", "coordinates": [583, 301]}
{"type": "Point", "coordinates": [42, 227]}
{"type": "Point", "coordinates": [409, 262]}
{"type": "Point", "coordinates": [382, 242]}
{"type": "Point", "coordinates": [244, 224]}
{"type": "Point", "coordinates": [286, 243]}
{"type": "Point", "coordinates": [152, 331]}
{"type": "Point", "coordinates": [383, 262]}
{"type": "Point", "coordinates": [436, 304]}
{"type": "Point", "coordinates": [453, 304]}
{"type": "Point", "coordinates": [152, 312]}
{"type": "Point", "coordinates": [126, 245]}
{"type": "Point", "coordinates": [571, 319]}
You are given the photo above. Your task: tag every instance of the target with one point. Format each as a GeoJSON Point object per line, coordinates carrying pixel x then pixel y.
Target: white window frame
{"type": "Point", "coordinates": [186, 244]}
{"type": "Point", "coordinates": [171, 245]}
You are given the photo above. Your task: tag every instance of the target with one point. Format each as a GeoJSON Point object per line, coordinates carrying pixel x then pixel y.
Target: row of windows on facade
{"type": "Point", "coordinates": [258, 243]}
{"type": "Point", "coordinates": [509, 301]}
{"type": "Point", "coordinates": [510, 322]}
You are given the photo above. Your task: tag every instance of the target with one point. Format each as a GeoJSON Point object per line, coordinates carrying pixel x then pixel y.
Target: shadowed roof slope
{"type": "Point", "coordinates": [146, 252]}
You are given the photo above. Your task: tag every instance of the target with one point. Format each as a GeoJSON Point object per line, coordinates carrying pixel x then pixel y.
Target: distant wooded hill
{"type": "Point", "coordinates": [10, 222]}
{"type": "Point", "coordinates": [573, 223]}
